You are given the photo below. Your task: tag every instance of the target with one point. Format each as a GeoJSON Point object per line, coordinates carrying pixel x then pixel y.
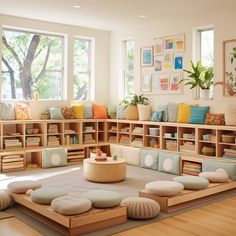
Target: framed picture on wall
{"type": "Point", "coordinates": [158, 47]}
{"type": "Point", "coordinates": [179, 44]}
{"type": "Point", "coordinates": [146, 56]}
{"type": "Point", "coordinates": [175, 86]}
{"type": "Point", "coordinates": [160, 83]}
{"type": "Point", "coordinates": [178, 61]}
{"type": "Point", "coordinates": [168, 61]}
{"type": "Point", "coordinates": [229, 48]}
{"type": "Point", "coordinates": [158, 63]}
{"type": "Point", "coordinates": [169, 44]}
{"type": "Point", "coordinates": [145, 85]}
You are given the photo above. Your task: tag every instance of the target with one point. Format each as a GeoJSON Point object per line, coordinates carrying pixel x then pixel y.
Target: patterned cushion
{"type": "Point", "coordinates": [198, 114]}
{"type": "Point", "coordinates": [149, 159]}
{"type": "Point", "coordinates": [22, 111]}
{"type": "Point", "coordinates": [172, 110]}
{"type": "Point", "coordinates": [169, 163]}
{"type": "Point", "coordinates": [22, 186]}
{"type": "Point", "coordinates": [215, 119]}
{"type": "Point", "coordinates": [121, 111]}
{"type": "Point", "coordinates": [88, 111]}
{"type": "Point", "coordinates": [52, 157]}
{"type": "Point", "coordinates": [68, 113]}
{"type": "Point", "coordinates": [163, 109]}
{"type": "Point", "coordinates": [55, 113]}
{"type": "Point", "coordinates": [192, 182]}
{"type": "Point", "coordinates": [141, 208]}
{"type": "Point", "coordinates": [7, 111]}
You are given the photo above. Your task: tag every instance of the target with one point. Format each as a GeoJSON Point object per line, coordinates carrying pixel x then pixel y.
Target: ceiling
{"type": "Point", "coordinates": [106, 14]}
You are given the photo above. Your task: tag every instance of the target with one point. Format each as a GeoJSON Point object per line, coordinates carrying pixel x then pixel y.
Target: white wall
{"type": "Point", "coordinates": [223, 20]}
{"type": "Point", "coordinates": [101, 57]}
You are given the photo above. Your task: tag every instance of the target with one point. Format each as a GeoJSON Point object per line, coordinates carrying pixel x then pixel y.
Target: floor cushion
{"type": "Point", "coordinates": [69, 205]}
{"type": "Point", "coordinates": [46, 195]}
{"type": "Point", "coordinates": [141, 208]}
{"type": "Point", "coordinates": [164, 188]}
{"type": "Point", "coordinates": [218, 176]}
{"type": "Point", "coordinates": [192, 182]}
{"type": "Point", "coordinates": [116, 149]}
{"type": "Point", "coordinates": [23, 186]}
{"type": "Point", "coordinates": [103, 198]}
{"type": "Point", "coordinates": [131, 155]}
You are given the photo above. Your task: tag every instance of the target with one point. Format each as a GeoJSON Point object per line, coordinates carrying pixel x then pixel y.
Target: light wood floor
{"type": "Point", "coordinates": [218, 219]}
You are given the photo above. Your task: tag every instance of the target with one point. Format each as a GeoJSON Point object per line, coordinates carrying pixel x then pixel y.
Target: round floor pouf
{"type": "Point", "coordinates": [5, 200]}
{"type": "Point", "coordinates": [141, 208]}
{"type": "Point", "coordinates": [69, 205]}
{"type": "Point", "coordinates": [164, 188]}
{"type": "Point", "coordinates": [22, 186]}
{"type": "Point", "coordinates": [103, 198]}
{"type": "Point", "coordinates": [46, 195]}
{"type": "Point", "coordinates": [192, 182]}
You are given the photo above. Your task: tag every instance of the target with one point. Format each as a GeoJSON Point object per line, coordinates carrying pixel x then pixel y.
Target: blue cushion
{"type": "Point", "coordinates": [156, 116]}
{"type": "Point", "coordinates": [198, 114]}
{"type": "Point", "coordinates": [149, 159]}
{"type": "Point", "coordinates": [163, 109]}
{"type": "Point", "coordinates": [55, 113]}
{"type": "Point", "coordinates": [169, 163]}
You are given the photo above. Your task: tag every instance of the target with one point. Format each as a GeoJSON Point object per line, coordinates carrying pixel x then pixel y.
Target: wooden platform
{"type": "Point", "coordinates": [188, 198]}
{"type": "Point", "coordinates": [74, 225]}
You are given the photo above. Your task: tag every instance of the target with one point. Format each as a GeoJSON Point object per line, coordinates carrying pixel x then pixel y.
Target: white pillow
{"type": "Point", "coordinates": [116, 149]}
{"type": "Point", "coordinates": [131, 155]}
{"type": "Point", "coordinates": [218, 176]}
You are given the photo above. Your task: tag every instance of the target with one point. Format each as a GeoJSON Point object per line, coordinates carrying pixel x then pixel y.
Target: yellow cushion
{"type": "Point", "coordinates": [78, 111]}
{"type": "Point", "coordinates": [183, 113]}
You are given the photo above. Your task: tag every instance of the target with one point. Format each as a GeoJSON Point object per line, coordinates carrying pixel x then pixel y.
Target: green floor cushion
{"type": "Point", "coordinates": [164, 188]}
{"type": "Point", "coordinates": [22, 186]}
{"type": "Point", "coordinates": [53, 157]}
{"type": "Point", "coordinates": [192, 182]}
{"type": "Point", "coordinates": [218, 176]}
{"type": "Point", "coordinates": [141, 208]}
{"type": "Point", "coordinates": [149, 159]}
{"type": "Point", "coordinates": [169, 163]}
{"type": "Point", "coordinates": [212, 165]}
{"type": "Point", "coordinates": [46, 195]}
{"type": "Point", "coordinates": [103, 198]}
{"type": "Point", "coordinates": [69, 205]}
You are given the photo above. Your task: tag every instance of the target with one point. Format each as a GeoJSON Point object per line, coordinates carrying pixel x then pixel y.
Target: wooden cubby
{"type": "Point", "coordinates": [124, 133]}
{"type": "Point", "coordinates": [71, 133]}
{"type": "Point", "coordinates": [152, 136]}
{"type": "Point", "coordinates": [112, 132]}
{"type": "Point", "coordinates": [170, 138]}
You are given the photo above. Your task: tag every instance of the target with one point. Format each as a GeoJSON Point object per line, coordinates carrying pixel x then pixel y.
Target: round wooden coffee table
{"type": "Point", "coordinates": [108, 171]}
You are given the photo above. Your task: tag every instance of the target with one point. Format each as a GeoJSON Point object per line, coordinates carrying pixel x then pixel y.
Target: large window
{"type": "Point", "coordinates": [128, 66]}
{"type": "Point", "coordinates": [31, 62]}
{"type": "Point", "coordinates": [82, 69]}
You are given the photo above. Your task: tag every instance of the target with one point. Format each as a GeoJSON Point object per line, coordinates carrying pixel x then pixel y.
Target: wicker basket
{"type": "Point", "coordinates": [209, 151]}
{"type": "Point", "coordinates": [227, 138]}
{"type": "Point", "coordinates": [44, 117]}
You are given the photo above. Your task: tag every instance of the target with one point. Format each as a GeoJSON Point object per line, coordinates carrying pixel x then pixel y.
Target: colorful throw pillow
{"type": "Point", "coordinates": [99, 112]}
{"type": "Point", "coordinates": [68, 113]}
{"type": "Point", "coordinates": [78, 111]}
{"type": "Point", "coordinates": [149, 159]}
{"type": "Point", "coordinates": [172, 111]}
{"type": "Point", "coordinates": [163, 109]}
{"type": "Point", "coordinates": [55, 113]}
{"type": "Point", "coordinates": [7, 111]}
{"type": "Point", "coordinates": [215, 119]}
{"type": "Point", "coordinates": [156, 116]}
{"type": "Point", "coordinates": [198, 114]}
{"type": "Point", "coordinates": [183, 113]}
{"type": "Point", "coordinates": [22, 111]}
{"type": "Point", "coordinates": [169, 163]}
{"type": "Point", "coordinates": [88, 111]}
{"type": "Point", "coordinates": [111, 110]}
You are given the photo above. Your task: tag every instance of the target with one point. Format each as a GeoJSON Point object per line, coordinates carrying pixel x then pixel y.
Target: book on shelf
{"type": "Point", "coordinates": [124, 139]}
{"type": "Point", "coordinates": [112, 138]}
{"type": "Point", "coordinates": [113, 128]}
{"type": "Point", "coordinates": [138, 131]}
{"type": "Point", "coordinates": [88, 138]}
{"type": "Point", "coordinates": [53, 128]}
{"type": "Point", "coordinates": [125, 129]}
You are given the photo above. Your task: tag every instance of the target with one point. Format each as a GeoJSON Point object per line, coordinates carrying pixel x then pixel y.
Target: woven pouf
{"type": "Point", "coordinates": [5, 200]}
{"type": "Point", "coordinates": [141, 208]}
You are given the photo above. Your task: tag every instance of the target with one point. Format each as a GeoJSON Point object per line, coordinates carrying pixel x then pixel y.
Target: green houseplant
{"type": "Point", "coordinates": [200, 76]}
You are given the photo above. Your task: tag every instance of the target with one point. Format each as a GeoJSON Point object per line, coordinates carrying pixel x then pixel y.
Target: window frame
{"type": "Point", "coordinates": [63, 54]}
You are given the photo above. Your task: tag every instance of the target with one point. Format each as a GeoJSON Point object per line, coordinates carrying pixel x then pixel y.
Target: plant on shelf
{"type": "Point", "coordinates": [200, 76]}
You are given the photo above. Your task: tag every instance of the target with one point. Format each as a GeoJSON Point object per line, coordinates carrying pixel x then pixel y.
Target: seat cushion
{"type": "Point", "coordinates": [103, 198]}
{"type": "Point", "coordinates": [46, 195]}
{"type": "Point", "coordinates": [22, 186]}
{"type": "Point", "coordinates": [192, 182]}
{"type": "Point", "coordinates": [149, 159]}
{"type": "Point", "coordinates": [131, 155]}
{"type": "Point", "coordinates": [69, 205]}
{"type": "Point", "coordinates": [141, 208]}
{"type": "Point", "coordinates": [218, 176]}
{"type": "Point", "coordinates": [164, 188]}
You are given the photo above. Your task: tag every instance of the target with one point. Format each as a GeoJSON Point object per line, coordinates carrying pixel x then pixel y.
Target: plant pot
{"type": "Point", "coordinates": [144, 112]}
{"type": "Point", "coordinates": [131, 113]}
{"type": "Point", "coordinates": [206, 94]}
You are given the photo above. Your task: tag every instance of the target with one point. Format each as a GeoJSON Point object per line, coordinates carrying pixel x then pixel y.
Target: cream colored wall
{"type": "Point", "coordinates": [223, 20]}
{"type": "Point", "coordinates": [101, 73]}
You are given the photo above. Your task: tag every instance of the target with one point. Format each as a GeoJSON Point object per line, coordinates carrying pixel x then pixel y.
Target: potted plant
{"type": "Point", "coordinates": [131, 103]}
{"type": "Point", "coordinates": [202, 77]}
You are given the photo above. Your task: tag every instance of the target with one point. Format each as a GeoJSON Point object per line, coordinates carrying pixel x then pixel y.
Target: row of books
{"type": "Point", "coordinates": [33, 142]}
{"type": "Point", "coordinates": [137, 141]}
{"type": "Point", "coordinates": [138, 130]}
{"type": "Point", "coordinates": [188, 147]}
{"type": "Point", "coordinates": [124, 139]}
{"type": "Point", "coordinates": [192, 168]}
{"type": "Point", "coordinates": [75, 156]}
{"type": "Point", "coordinates": [125, 129]}
{"type": "Point", "coordinates": [88, 138]}
{"type": "Point", "coordinates": [69, 139]}
{"type": "Point", "coordinates": [12, 162]}
{"type": "Point", "coordinates": [53, 128]}
{"type": "Point", "coordinates": [171, 145]}
{"type": "Point", "coordinates": [12, 143]}
{"type": "Point", "coordinates": [229, 153]}
{"type": "Point", "coordinates": [53, 141]}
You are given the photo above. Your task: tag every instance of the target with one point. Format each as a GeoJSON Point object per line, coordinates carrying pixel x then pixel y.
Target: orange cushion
{"type": "Point", "coordinates": [22, 111]}
{"type": "Point", "coordinates": [215, 119]}
{"type": "Point", "coordinates": [99, 112]}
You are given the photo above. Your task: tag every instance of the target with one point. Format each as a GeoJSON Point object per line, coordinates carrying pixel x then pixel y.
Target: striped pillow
{"type": "Point", "coordinates": [198, 114]}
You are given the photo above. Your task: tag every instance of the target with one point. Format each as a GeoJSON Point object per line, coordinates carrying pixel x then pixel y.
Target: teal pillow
{"type": "Point", "coordinates": [156, 116]}
{"type": "Point", "coordinates": [169, 163]}
{"type": "Point", "coordinates": [212, 165]}
{"type": "Point", "coordinates": [53, 157]}
{"type": "Point", "coordinates": [149, 159]}
{"type": "Point", "coordinates": [55, 113]}
{"type": "Point", "coordinates": [198, 114]}
{"type": "Point", "coordinates": [163, 109]}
